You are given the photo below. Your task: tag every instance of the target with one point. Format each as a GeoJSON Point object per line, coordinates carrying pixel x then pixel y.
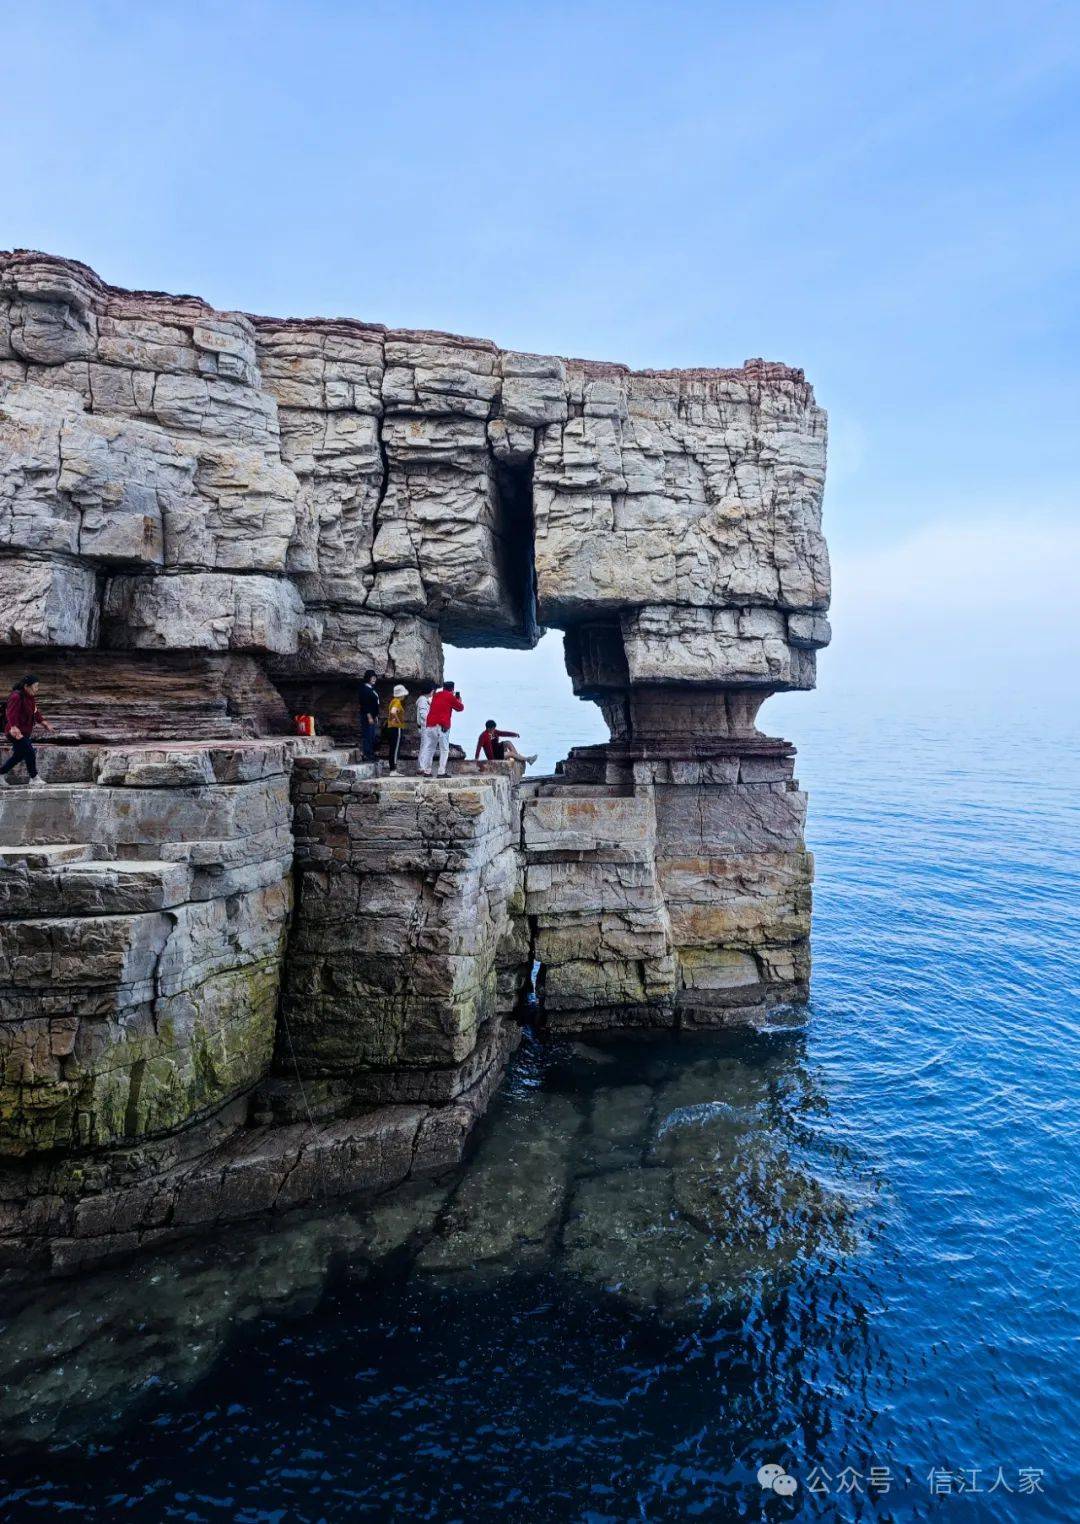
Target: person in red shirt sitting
{"type": "Point", "coordinates": [20, 717]}
{"type": "Point", "coordinates": [495, 744]}
{"type": "Point", "coordinates": [436, 737]}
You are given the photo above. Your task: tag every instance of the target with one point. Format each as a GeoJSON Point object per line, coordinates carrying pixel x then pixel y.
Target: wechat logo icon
{"type": "Point", "coordinates": [774, 1478]}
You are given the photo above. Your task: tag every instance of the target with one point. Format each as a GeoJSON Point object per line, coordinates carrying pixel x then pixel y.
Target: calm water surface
{"type": "Point", "coordinates": [847, 1249]}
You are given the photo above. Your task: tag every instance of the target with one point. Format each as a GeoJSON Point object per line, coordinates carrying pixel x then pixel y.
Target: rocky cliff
{"type": "Point", "coordinates": [235, 968]}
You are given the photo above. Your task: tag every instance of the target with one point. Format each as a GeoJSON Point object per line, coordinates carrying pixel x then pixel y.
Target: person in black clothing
{"type": "Point", "coordinates": [369, 715]}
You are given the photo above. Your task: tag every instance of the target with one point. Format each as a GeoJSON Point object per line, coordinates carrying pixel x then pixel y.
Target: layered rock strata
{"type": "Point", "coordinates": [149, 1084]}
{"type": "Point", "coordinates": [405, 900]}
{"type": "Point", "coordinates": [237, 969]}
{"type": "Point", "coordinates": [678, 901]}
{"type": "Point", "coordinates": [329, 495]}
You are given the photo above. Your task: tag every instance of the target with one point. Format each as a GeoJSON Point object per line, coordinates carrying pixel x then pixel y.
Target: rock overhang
{"type": "Point", "coordinates": [328, 494]}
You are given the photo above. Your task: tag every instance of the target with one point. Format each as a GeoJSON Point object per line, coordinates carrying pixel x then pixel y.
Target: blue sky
{"type": "Point", "coordinates": [884, 194]}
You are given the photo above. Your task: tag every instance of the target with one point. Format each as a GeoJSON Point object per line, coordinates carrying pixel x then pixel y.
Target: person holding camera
{"type": "Point", "coordinates": [435, 740]}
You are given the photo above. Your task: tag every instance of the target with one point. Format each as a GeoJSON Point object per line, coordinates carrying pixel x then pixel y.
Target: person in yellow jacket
{"type": "Point", "coordinates": [395, 722]}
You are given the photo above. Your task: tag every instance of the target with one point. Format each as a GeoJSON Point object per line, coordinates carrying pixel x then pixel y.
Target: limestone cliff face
{"type": "Point", "coordinates": [329, 494]}
{"type": "Point", "coordinates": [237, 969]}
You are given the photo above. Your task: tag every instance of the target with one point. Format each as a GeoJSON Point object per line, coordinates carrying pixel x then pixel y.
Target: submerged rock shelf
{"type": "Point", "coordinates": [670, 1180]}
{"type": "Point", "coordinates": [241, 971]}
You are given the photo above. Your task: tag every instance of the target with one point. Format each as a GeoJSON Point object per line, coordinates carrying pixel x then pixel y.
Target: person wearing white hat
{"type": "Point", "coordinates": [395, 722]}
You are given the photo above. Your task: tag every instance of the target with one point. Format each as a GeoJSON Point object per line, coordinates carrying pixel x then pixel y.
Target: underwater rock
{"type": "Point", "coordinates": [710, 1203]}
{"type": "Point", "coordinates": [509, 1202]}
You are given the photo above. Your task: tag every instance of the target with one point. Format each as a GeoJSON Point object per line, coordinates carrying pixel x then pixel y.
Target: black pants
{"type": "Point", "coordinates": [368, 737]}
{"type": "Point", "coordinates": [22, 751]}
{"type": "Point", "coordinates": [395, 747]}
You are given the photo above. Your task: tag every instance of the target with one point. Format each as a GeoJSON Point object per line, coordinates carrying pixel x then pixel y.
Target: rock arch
{"type": "Point", "coordinates": [209, 521]}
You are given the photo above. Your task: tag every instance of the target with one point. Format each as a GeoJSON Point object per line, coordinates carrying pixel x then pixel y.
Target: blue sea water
{"type": "Point", "coordinates": [848, 1249]}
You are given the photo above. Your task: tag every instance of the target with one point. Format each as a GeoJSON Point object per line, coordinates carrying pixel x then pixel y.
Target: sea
{"type": "Point", "coordinates": [824, 1271]}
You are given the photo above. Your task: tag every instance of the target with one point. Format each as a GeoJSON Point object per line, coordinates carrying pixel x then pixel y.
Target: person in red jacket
{"type": "Point", "coordinates": [436, 737]}
{"type": "Point", "coordinates": [20, 717]}
{"type": "Point", "coordinates": [496, 744]}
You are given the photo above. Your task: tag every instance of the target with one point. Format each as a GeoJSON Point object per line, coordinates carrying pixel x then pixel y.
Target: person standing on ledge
{"type": "Point", "coordinates": [369, 715]}
{"type": "Point", "coordinates": [20, 717]}
{"type": "Point", "coordinates": [395, 722]}
{"type": "Point", "coordinates": [423, 704]}
{"type": "Point", "coordinates": [496, 745]}
{"type": "Point", "coordinates": [436, 735]}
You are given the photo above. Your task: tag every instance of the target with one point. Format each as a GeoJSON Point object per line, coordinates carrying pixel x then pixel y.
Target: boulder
{"type": "Point", "coordinates": [203, 611]}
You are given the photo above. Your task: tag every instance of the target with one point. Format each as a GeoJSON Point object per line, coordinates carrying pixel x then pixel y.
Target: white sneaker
{"type": "Point", "coordinates": [35, 783]}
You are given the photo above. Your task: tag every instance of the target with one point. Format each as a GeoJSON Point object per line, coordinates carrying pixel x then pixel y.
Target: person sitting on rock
{"type": "Point", "coordinates": [395, 722]}
{"type": "Point", "coordinates": [435, 739]}
{"type": "Point", "coordinates": [20, 717]}
{"type": "Point", "coordinates": [497, 745]}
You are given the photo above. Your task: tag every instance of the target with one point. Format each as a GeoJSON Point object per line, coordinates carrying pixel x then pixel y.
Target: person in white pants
{"type": "Point", "coordinates": [434, 743]}
{"type": "Point", "coordinates": [423, 705]}
{"type": "Point", "coordinates": [435, 736]}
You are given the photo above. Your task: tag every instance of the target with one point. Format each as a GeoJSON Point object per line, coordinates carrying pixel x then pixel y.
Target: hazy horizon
{"type": "Point", "coordinates": [886, 196]}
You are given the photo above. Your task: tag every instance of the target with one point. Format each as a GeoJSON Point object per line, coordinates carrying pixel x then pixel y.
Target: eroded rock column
{"type": "Point", "coordinates": [679, 544]}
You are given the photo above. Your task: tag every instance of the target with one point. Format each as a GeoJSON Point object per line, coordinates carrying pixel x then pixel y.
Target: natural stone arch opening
{"type": "Point", "coordinates": [525, 690]}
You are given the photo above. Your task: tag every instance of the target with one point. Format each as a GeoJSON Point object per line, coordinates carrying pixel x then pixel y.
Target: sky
{"type": "Point", "coordinates": [887, 195]}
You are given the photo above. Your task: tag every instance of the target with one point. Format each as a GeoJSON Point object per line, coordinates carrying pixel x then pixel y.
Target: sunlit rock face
{"type": "Point", "coordinates": [685, 509]}
{"type": "Point", "coordinates": [210, 522]}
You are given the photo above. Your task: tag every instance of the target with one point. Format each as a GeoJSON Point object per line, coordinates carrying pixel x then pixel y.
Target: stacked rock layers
{"type": "Point", "coordinates": [152, 1077]}
{"type": "Point", "coordinates": [405, 902]}
{"type": "Point", "coordinates": [210, 521]}
{"type": "Point", "coordinates": [310, 497]}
